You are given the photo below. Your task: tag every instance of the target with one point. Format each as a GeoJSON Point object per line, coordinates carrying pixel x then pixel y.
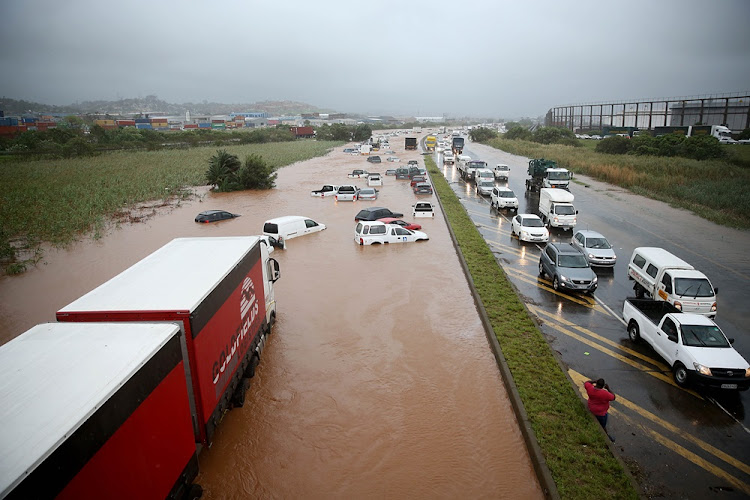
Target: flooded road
{"type": "Point", "coordinates": [378, 380]}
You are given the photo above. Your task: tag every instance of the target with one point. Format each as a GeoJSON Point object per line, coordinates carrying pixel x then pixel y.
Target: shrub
{"type": "Point", "coordinates": [701, 147]}
{"type": "Point", "coordinates": [482, 134]}
{"type": "Point", "coordinates": [553, 135]}
{"type": "Point", "coordinates": [518, 133]}
{"type": "Point", "coordinates": [615, 145]}
{"type": "Point", "coordinates": [226, 172]}
{"type": "Point", "coordinates": [257, 174]}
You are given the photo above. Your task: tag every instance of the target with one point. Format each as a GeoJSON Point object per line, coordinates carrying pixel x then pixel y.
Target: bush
{"type": "Point", "coordinates": [226, 173]}
{"type": "Point", "coordinates": [518, 132]}
{"type": "Point", "coordinates": [553, 135]}
{"type": "Point", "coordinates": [482, 134]}
{"type": "Point", "coordinates": [257, 174]}
{"type": "Point", "coordinates": [615, 145]}
{"type": "Point", "coordinates": [701, 147]}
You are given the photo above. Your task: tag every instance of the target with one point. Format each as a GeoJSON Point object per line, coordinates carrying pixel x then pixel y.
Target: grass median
{"type": "Point", "coordinates": [572, 443]}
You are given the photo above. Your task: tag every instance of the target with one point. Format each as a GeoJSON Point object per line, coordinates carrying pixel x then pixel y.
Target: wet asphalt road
{"type": "Point", "coordinates": [680, 443]}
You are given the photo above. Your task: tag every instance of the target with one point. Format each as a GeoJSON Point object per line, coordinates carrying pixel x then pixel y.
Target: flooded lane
{"type": "Point", "coordinates": [378, 380]}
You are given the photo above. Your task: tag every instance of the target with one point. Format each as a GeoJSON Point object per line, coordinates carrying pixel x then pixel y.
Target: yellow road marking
{"type": "Point", "coordinates": [579, 379]}
{"type": "Point", "coordinates": [661, 366]}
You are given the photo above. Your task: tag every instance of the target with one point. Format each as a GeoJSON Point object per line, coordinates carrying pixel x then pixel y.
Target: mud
{"type": "Point", "coordinates": [378, 380]}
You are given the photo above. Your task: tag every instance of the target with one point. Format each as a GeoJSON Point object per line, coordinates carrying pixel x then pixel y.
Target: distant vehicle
{"type": "Point", "coordinates": [458, 145]}
{"type": "Point", "coordinates": [502, 171]}
{"type": "Point", "coordinates": [408, 225]}
{"type": "Point", "coordinates": [390, 171]}
{"type": "Point", "coordinates": [367, 193]}
{"type": "Point", "coordinates": [402, 173]}
{"type": "Point", "coordinates": [375, 213]}
{"type": "Point", "coordinates": [214, 216]}
{"type": "Point", "coordinates": [410, 143]}
{"type": "Point", "coordinates": [595, 248]}
{"type": "Point", "coordinates": [376, 232]}
{"type": "Point", "coordinates": [529, 227]}
{"type": "Point", "coordinates": [347, 193]}
{"type": "Point", "coordinates": [291, 226]}
{"type": "Point", "coordinates": [416, 179]}
{"type": "Point", "coordinates": [567, 268]}
{"type": "Point", "coordinates": [485, 187]}
{"type": "Point", "coordinates": [448, 158]}
{"type": "Point", "coordinates": [373, 159]}
{"type": "Point", "coordinates": [351, 150]}
{"type": "Point", "coordinates": [412, 162]}
{"type": "Point", "coordinates": [374, 179]}
{"type": "Point", "coordinates": [423, 209]}
{"type": "Point", "coordinates": [393, 159]}
{"type": "Point", "coordinates": [324, 192]}
{"type": "Point", "coordinates": [430, 142]}
{"type": "Point", "coordinates": [422, 188]}
{"type": "Point", "coordinates": [358, 174]}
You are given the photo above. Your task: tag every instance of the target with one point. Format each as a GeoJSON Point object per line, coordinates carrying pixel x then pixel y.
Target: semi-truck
{"type": "Point", "coordinates": [457, 145]}
{"type": "Point", "coordinates": [693, 346]}
{"type": "Point", "coordinates": [410, 143]}
{"type": "Point", "coordinates": [96, 410]}
{"type": "Point", "coordinates": [556, 208]}
{"type": "Point", "coordinates": [219, 292]}
{"type": "Point", "coordinates": [721, 132]}
{"type": "Point", "coordinates": [430, 142]}
{"type": "Point", "coordinates": [546, 174]}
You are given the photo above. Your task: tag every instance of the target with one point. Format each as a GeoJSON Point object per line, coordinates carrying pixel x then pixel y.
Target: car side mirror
{"type": "Point", "coordinates": [576, 212]}
{"type": "Point", "coordinates": [731, 341]}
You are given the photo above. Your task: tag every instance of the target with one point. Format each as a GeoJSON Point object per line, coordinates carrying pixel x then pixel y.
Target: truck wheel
{"type": "Point", "coordinates": [680, 374]}
{"type": "Point", "coordinates": [250, 370]}
{"type": "Point", "coordinates": [195, 492]}
{"type": "Point", "coordinates": [541, 270]}
{"type": "Point", "coordinates": [633, 332]}
{"type": "Point", "coordinates": [556, 284]}
{"type": "Point", "coordinates": [238, 398]}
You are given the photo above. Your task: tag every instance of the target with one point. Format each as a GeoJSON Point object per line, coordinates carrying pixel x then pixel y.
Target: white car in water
{"type": "Point", "coordinates": [529, 227]}
{"type": "Point", "coordinates": [376, 232]}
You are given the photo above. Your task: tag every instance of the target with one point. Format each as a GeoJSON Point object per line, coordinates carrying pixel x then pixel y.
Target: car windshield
{"type": "Point", "coordinates": [693, 287]}
{"type": "Point", "coordinates": [572, 261]}
{"type": "Point", "coordinates": [703, 336]}
{"type": "Point", "coordinates": [532, 222]}
{"type": "Point", "coordinates": [487, 183]}
{"type": "Point", "coordinates": [598, 243]}
{"type": "Point", "coordinates": [558, 176]}
{"type": "Point", "coordinates": [565, 210]}
{"type": "Point", "coordinates": [507, 194]}
{"type": "Point", "coordinates": [502, 167]}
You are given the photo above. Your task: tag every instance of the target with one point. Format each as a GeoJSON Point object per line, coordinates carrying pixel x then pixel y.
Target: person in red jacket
{"type": "Point", "coordinates": [599, 397]}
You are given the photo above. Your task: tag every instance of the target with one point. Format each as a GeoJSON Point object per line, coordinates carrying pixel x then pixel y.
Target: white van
{"type": "Point", "coordinates": [666, 277]}
{"type": "Point", "coordinates": [291, 226]}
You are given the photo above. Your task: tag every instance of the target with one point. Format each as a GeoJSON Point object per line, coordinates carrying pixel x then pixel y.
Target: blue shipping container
{"type": "Point", "coordinates": [143, 120]}
{"type": "Point", "coordinates": [9, 121]}
{"type": "Point", "coordinates": [146, 126]}
{"type": "Point", "coordinates": [204, 125]}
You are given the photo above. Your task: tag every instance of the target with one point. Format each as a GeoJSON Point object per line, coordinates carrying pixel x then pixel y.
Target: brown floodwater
{"type": "Point", "coordinates": [378, 380]}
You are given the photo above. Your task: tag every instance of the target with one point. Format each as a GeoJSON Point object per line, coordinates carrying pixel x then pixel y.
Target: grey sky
{"type": "Point", "coordinates": [458, 58]}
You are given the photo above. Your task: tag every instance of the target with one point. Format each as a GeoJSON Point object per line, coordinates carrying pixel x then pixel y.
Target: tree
{"type": "Point", "coordinates": [257, 174]}
{"type": "Point", "coordinates": [222, 170]}
{"type": "Point", "coordinates": [480, 134]}
{"type": "Point", "coordinates": [362, 132]}
{"type": "Point", "coordinates": [615, 145]}
{"type": "Point", "coordinates": [518, 132]}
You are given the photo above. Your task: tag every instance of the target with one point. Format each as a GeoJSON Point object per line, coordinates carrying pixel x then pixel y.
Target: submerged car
{"type": "Point", "coordinates": [367, 193]}
{"type": "Point", "coordinates": [595, 248]}
{"type": "Point", "coordinates": [529, 227]}
{"type": "Point", "coordinates": [422, 188]}
{"type": "Point", "coordinates": [423, 209]}
{"type": "Point", "coordinates": [373, 159]}
{"type": "Point", "coordinates": [408, 225]}
{"type": "Point", "coordinates": [214, 216]}
{"type": "Point", "coordinates": [390, 171]}
{"type": "Point", "coordinates": [567, 268]}
{"type": "Point", "coordinates": [375, 213]}
{"type": "Point", "coordinates": [377, 232]}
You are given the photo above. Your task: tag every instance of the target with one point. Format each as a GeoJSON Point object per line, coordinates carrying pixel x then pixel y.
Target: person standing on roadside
{"type": "Point", "coordinates": [599, 397]}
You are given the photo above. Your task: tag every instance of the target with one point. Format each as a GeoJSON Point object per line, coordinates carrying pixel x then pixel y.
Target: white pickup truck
{"type": "Point", "coordinates": [326, 191]}
{"type": "Point", "coordinates": [347, 192]}
{"type": "Point", "coordinates": [692, 345]}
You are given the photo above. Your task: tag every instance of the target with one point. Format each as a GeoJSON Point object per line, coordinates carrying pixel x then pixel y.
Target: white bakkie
{"type": "Point", "coordinates": [556, 208]}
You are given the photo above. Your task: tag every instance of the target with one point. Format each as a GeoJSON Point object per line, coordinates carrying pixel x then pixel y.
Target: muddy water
{"type": "Point", "coordinates": [378, 380]}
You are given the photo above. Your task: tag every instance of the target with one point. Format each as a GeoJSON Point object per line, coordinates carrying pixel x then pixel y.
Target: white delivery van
{"type": "Point", "coordinates": [664, 276]}
{"type": "Point", "coordinates": [291, 226]}
{"type": "Point", "coordinates": [556, 208]}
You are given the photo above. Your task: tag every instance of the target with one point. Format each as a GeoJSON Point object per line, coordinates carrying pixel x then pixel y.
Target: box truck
{"type": "Point", "coordinates": [556, 208]}
{"type": "Point", "coordinates": [96, 410]}
{"type": "Point", "coordinates": [219, 292]}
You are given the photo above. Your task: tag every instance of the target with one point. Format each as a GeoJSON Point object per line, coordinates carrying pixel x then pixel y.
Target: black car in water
{"type": "Point", "coordinates": [214, 216]}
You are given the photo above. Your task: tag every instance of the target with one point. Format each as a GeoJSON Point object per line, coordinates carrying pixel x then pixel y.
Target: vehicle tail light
{"type": "Point", "coordinates": [713, 307]}
{"type": "Point", "coordinates": [361, 241]}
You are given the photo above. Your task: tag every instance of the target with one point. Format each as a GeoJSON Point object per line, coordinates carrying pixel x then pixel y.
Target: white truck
{"type": "Point", "coordinates": [692, 345]}
{"type": "Point", "coordinates": [324, 192]}
{"type": "Point", "coordinates": [557, 178]}
{"type": "Point", "coordinates": [665, 277]}
{"type": "Point", "coordinates": [556, 208]}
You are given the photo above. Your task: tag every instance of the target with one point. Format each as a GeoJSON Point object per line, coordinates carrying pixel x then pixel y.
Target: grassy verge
{"type": "Point", "coordinates": [56, 201]}
{"type": "Point", "coordinates": [573, 446]}
{"type": "Point", "coordinates": [708, 188]}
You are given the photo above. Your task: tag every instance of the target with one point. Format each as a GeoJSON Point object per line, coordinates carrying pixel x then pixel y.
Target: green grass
{"type": "Point", "coordinates": [572, 443]}
{"type": "Point", "coordinates": [709, 188]}
{"type": "Point", "coordinates": [57, 201]}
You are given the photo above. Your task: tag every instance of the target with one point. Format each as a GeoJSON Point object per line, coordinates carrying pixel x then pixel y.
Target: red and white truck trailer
{"type": "Point", "coordinates": [96, 410]}
{"type": "Point", "coordinates": [219, 292]}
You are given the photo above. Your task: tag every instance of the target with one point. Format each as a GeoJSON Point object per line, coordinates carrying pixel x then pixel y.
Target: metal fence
{"type": "Point", "coordinates": [732, 110]}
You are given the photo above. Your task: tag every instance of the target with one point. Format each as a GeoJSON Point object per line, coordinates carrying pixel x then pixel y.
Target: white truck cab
{"type": "Point", "coordinates": [664, 276]}
{"type": "Point", "coordinates": [557, 178]}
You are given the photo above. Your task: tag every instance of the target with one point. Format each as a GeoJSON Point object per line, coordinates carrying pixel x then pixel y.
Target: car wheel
{"type": "Point", "coordinates": [680, 374]}
{"type": "Point", "coordinates": [541, 270]}
{"type": "Point", "coordinates": [633, 332]}
{"type": "Point", "coordinates": [556, 284]}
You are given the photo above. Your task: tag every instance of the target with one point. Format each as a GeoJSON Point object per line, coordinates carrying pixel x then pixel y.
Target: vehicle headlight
{"type": "Point", "coordinates": [703, 370]}
{"type": "Point", "coordinates": [596, 279]}
{"type": "Point", "coordinates": [563, 278]}
{"type": "Point", "coordinates": [524, 233]}
{"type": "Point", "coordinates": [747, 372]}
{"type": "Point", "coordinates": [592, 256]}
{"type": "Point", "coordinates": [678, 305]}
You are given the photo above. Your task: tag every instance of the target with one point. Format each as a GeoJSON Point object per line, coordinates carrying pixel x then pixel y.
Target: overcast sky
{"type": "Point", "coordinates": [484, 58]}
